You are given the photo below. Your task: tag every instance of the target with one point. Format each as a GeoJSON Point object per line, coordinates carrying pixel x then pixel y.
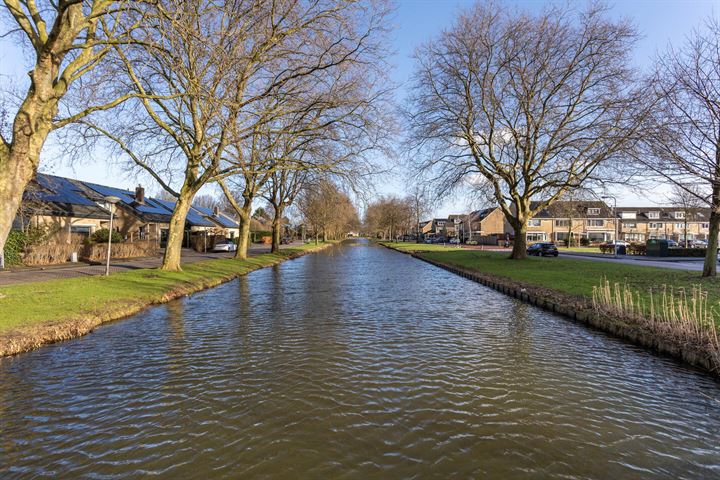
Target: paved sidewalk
{"type": "Point", "coordinates": [70, 270]}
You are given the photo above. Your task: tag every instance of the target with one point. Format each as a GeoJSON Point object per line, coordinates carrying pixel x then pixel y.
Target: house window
{"type": "Point", "coordinates": [85, 229]}
{"type": "Point", "coordinates": [562, 223]}
{"type": "Point", "coordinates": [534, 222]}
{"type": "Point", "coordinates": [680, 226]}
{"type": "Point", "coordinates": [536, 237]}
{"type": "Point", "coordinates": [630, 225]}
{"type": "Point", "coordinates": [680, 215]}
{"type": "Point", "coordinates": [593, 211]}
{"type": "Point", "coordinates": [705, 226]}
{"type": "Point", "coordinates": [628, 215]}
{"type": "Point", "coordinates": [656, 225]}
{"type": "Point", "coordinates": [595, 223]}
{"type": "Point", "coordinates": [653, 214]}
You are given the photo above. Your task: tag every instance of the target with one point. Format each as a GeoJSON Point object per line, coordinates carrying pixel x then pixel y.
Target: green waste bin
{"type": "Point", "coordinates": [657, 247]}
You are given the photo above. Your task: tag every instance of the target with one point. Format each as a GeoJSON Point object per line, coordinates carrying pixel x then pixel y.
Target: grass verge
{"type": "Point", "coordinates": [38, 313]}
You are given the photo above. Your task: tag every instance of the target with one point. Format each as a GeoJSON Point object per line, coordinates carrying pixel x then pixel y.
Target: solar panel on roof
{"type": "Point", "coordinates": [60, 190]}
{"type": "Point", "coordinates": [225, 222]}
{"type": "Point", "coordinates": [192, 216]}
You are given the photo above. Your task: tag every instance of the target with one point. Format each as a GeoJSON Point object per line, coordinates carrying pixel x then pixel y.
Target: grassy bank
{"type": "Point", "coordinates": [571, 276]}
{"type": "Point", "coordinates": [43, 312]}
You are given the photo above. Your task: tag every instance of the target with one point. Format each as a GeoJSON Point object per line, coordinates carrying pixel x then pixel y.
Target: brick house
{"type": "Point", "coordinates": [593, 220]}
{"type": "Point", "coordinates": [639, 224]}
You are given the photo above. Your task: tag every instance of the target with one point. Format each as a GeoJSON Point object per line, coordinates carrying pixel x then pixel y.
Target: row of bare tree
{"type": "Point", "coordinates": [261, 97]}
{"type": "Point", "coordinates": [391, 216]}
{"type": "Point", "coordinates": [531, 106]}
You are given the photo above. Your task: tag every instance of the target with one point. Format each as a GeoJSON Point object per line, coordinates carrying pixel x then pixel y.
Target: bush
{"type": "Point", "coordinates": [101, 236]}
{"type": "Point", "coordinates": [14, 247]}
{"type": "Point", "coordinates": [637, 249]}
{"type": "Point", "coordinates": [584, 241]}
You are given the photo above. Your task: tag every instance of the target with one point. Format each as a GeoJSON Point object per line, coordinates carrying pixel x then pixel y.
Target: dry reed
{"type": "Point", "coordinates": [686, 318]}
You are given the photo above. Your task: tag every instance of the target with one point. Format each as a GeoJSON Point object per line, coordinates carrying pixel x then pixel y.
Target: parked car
{"type": "Point", "coordinates": [543, 249]}
{"type": "Point", "coordinates": [454, 241]}
{"type": "Point", "coordinates": [225, 247]}
{"type": "Point", "coordinates": [471, 242]}
{"type": "Point", "coordinates": [620, 243]}
{"type": "Point", "coordinates": [672, 244]}
{"type": "Point", "coordinates": [698, 244]}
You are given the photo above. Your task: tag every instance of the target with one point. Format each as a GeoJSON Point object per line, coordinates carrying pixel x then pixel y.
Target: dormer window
{"type": "Point", "coordinates": [653, 214]}
{"type": "Point", "coordinates": [593, 211]}
{"type": "Point", "coordinates": [628, 215]}
{"type": "Point", "coordinates": [680, 215]}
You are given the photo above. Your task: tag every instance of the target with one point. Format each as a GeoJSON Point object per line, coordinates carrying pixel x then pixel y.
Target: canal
{"type": "Point", "coordinates": [358, 362]}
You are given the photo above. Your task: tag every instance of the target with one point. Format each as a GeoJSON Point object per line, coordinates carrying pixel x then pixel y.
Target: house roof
{"type": "Point", "coordinates": [666, 213]}
{"type": "Point", "coordinates": [194, 218]}
{"type": "Point", "coordinates": [219, 217]}
{"type": "Point", "coordinates": [75, 198]}
{"type": "Point", "coordinates": [574, 208]}
{"type": "Point", "coordinates": [151, 210]}
{"type": "Point", "coordinates": [53, 195]}
{"type": "Point", "coordinates": [479, 215]}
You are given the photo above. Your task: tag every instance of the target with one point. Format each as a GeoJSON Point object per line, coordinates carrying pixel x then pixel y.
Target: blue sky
{"type": "Point", "coordinates": [659, 21]}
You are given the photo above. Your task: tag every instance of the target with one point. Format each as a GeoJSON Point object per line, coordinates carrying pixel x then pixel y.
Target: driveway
{"type": "Point", "coordinates": [70, 270]}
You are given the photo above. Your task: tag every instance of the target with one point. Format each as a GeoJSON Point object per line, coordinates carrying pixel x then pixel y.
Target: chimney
{"type": "Point", "coordinates": [216, 210]}
{"type": "Point", "coordinates": [140, 195]}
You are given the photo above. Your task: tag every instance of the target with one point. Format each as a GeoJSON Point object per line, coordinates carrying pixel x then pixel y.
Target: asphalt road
{"type": "Point", "coordinates": [696, 265]}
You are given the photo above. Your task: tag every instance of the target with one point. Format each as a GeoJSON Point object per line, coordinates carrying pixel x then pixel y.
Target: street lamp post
{"type": "Point", "coordinates": [111, 200]}
{"type": "Point", "coordinates": [615, 217]}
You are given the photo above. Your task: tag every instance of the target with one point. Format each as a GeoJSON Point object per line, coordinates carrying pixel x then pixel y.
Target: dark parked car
{"type": "Point", "coordinates": [543, 249]}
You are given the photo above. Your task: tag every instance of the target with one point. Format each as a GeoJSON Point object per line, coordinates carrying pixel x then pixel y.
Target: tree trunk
{"type": "Point", "coordinates": [710, 266]}
{"type": "Point", "coordinates": [519, 250]}
{"type": "Point", "coordinates": [276, 229]}
{"type": "Point", "coordinates": [173, 249]}
{"type": "Point", "coordinates": [19, 160]}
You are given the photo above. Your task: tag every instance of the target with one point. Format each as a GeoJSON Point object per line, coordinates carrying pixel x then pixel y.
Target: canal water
{"type": "Point", "coordinates": [356, 363]}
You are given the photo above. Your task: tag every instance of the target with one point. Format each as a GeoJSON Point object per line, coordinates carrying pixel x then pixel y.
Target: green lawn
{"type": "Point", "coordinates": [573, 276]}
{"type": "Point", "coordinates": [107, 297]}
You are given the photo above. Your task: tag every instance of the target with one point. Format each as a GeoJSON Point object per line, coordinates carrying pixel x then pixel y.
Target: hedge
{"type": "Point", "coordinates": [14, 247]}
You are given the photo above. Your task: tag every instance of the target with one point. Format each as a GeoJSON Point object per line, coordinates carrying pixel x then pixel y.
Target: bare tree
{"type": "Point", "coordinates": [327, 211]}
{"type": "Point", "coordinates": [687, 199]}
{"type": "Point", "coordinates": [682, 136]}
{"type": "Point", "coordinates": [284, 185]}
{"type": "Point", "coordinates": [532, 104]}
{"type": "Point", "coordinates": [67, 39]}
{"type": "Point", "coordinates": [390, 216]}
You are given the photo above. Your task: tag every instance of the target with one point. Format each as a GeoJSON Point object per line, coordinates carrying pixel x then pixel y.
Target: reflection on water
{"type": "Point", "coordinates": [356, 363]}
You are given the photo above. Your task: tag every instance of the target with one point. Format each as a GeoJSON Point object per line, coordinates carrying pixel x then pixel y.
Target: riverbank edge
{"type": "Point", "coordinates": [25, 339]}
{"type": "Point", "coordinates": [580, 310]}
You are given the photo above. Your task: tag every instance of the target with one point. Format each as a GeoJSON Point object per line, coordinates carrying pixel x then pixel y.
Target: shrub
{"type": "Point", "coordinates": [101, 236]}
{"type": "Point", "coordinates": [584, 241]}
{"type": "Point", "coordinates": [14, 247]}
{"type": "Point", "coordinates": [637, 249]}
